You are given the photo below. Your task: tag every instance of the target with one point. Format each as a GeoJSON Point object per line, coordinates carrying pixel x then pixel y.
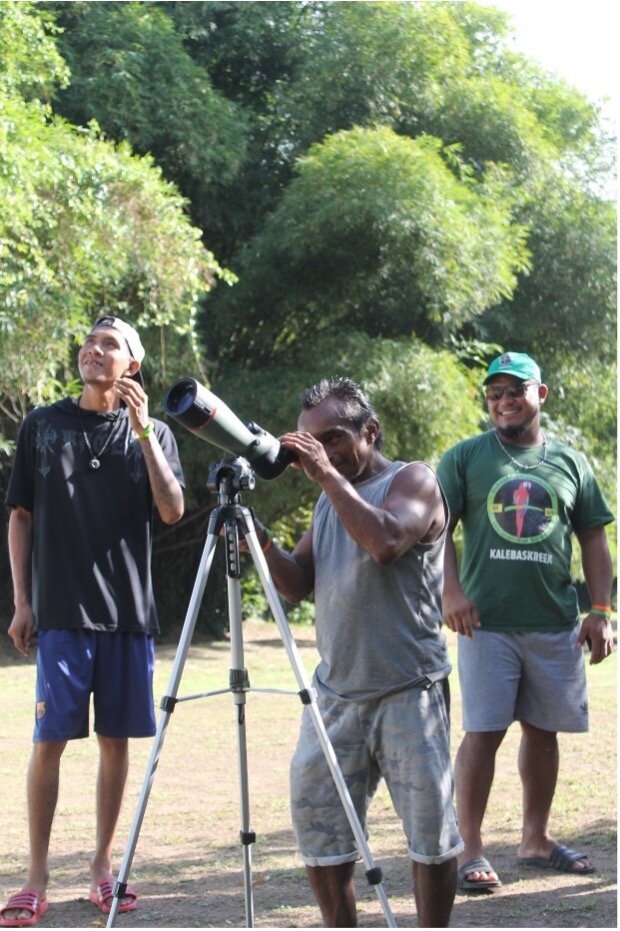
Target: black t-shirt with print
{"type": "Point", "coordinates": [92, 529]}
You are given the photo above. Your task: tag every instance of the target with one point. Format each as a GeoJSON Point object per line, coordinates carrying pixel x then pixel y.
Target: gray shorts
{"type": "Point", "coordinates": [538, 678]}
{"type": "Point", "coordinates": [404, 738]}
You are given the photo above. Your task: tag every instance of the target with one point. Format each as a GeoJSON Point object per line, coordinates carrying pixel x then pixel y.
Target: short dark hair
{"type": "Point", "coordinates": [355, 406]}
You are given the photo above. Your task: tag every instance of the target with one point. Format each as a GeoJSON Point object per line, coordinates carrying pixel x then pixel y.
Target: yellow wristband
{"type": "Point", "coordinates": [148, 430]}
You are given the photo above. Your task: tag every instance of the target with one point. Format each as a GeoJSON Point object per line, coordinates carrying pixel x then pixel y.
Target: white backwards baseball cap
{"type": "Point", "coordinates": [131, 337]}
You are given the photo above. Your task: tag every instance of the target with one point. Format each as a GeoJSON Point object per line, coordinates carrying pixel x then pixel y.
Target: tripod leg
{"type": "Point", "coordinates": [239, 684]}
{"type": "Point", "coordinates": [308, 697]}
{"type": "Point", "coordinates": [167, 706]}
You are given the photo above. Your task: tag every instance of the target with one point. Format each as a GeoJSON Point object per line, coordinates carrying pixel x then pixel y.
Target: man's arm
{"type": "Point", "coordinates": [20, 553]}
{"type": "Point", "coordinates": [167, 492]}
{"type": "Point", "coordinates": [292, 573]}
{"type": "Point", "coordinates": [412, 512]}
{"type": "Point", "coordinates": [459, 612]}
{"type": "Point", "coordinates": [598, 572]}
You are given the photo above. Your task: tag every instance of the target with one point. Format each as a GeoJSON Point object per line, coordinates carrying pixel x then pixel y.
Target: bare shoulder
{"type": "Point", "coordinates": [415, 493]}
{"type": "Point", "coordinates": [416, 479]}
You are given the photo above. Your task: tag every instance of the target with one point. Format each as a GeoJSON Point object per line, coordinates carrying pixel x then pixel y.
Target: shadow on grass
{"type": "Point", "coordinates": [206, 889]}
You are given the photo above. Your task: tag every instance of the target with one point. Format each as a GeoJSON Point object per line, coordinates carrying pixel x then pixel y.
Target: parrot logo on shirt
{"type": "Point", "coordinates": [521, 497]}
{"type": "Point", "coordinates": [522, 508]}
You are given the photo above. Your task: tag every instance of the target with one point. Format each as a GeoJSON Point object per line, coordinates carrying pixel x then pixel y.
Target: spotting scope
{"type": "Point", "coordinates": [206, 416]}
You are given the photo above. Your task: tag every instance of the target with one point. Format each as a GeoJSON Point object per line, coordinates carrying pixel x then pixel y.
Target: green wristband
{"type": "Point", "coordinates": [148, 430]}
{"type": "Point", "coordinates": [600, 613]}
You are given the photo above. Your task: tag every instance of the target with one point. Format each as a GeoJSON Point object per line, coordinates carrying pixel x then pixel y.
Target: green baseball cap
{"type": "Point", "coordinates": [518, 364]}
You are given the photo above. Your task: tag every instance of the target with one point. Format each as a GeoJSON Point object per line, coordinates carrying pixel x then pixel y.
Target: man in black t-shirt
{"type": "Point", "coordinates": [86, 478]}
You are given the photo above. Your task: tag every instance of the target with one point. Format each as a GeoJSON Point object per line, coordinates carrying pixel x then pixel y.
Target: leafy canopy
{"type": "Point", "coordinates": [84, 226]}
{"type": "Point", "coordinates": [378, 234]}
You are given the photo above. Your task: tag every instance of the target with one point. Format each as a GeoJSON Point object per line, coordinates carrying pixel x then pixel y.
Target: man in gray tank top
{"type": "Point", "coordinates": [373, 558]}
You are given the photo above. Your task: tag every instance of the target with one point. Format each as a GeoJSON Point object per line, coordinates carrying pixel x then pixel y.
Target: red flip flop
{"type": "Point", "coordinates": [28, 901]}
{"type": "Point", "coordinates": [105, 894]}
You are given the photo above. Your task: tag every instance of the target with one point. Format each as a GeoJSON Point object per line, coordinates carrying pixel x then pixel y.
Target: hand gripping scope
{"type": "Point", "coordinates": [198, 409]}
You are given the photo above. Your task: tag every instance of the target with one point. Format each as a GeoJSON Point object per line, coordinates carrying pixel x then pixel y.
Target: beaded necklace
{"type": "Point", "coordinates": [516, 462]}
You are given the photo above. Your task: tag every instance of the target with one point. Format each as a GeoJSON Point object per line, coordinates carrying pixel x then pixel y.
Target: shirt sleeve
{"type": "Point", "coordinates": [591, 509]}
{"type": "Point", "coordinates": [170, 449]}
{"type": "Point", "coordinates": [20, 492]}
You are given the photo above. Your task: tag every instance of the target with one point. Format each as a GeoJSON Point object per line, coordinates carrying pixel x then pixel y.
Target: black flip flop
{"type": "Point", "coordinates": [481, 865]}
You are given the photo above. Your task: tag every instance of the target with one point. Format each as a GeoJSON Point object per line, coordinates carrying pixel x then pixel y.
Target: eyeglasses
{"type": "Point", "coordinates": [497, 392]}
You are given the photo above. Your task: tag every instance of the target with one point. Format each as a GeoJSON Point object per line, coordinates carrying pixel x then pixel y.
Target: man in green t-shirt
{"type": "Point", "coordinates": [520, 496]}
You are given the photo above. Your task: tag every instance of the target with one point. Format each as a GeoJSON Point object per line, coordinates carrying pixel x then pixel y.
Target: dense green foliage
{"type": "Point", "coordinates": [84, 226]}
{"type": "Point", "coordinates": [397, 192]}
{"type": "Point", "coordinates": [375, 233]}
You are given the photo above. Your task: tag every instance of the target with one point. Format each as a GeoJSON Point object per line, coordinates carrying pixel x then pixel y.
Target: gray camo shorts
{"type": "Point", "coordinates": [403, 737]}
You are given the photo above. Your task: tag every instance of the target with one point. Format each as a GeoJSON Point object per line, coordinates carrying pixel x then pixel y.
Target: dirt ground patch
{"type": "Point", "coordinates": [187, 866]}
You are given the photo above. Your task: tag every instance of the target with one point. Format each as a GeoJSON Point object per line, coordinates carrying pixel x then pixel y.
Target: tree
{"type": "Point", "coordinates": [131, 73]}
{"type": "Point", "coordinates": [567, 304]}
{"type": "Point", "coordinates": [298, 74]}
{"type": "Point", "coordinates": [375, 234]}
{"type": "Point", "coordinates": [84, 226]}
{"type": "Point", "coordinates": [31, 66]}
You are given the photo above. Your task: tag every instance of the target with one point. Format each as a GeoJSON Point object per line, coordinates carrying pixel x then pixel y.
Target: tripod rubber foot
{"type": "Point", "coordinates": [374, 876]}
{"type": "Point", "coordinates": [247, 837]}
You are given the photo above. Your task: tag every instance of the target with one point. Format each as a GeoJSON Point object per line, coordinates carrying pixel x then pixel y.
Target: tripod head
{"type": "Point", "coordinates": [230, 476]}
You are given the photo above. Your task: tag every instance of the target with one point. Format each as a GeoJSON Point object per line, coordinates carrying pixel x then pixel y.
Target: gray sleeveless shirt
{"type": "Point", "coordinates": [378, 626]}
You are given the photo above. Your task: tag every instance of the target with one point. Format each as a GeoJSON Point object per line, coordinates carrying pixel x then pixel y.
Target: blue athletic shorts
{"type": "Point", "coordinates": [117, 668]}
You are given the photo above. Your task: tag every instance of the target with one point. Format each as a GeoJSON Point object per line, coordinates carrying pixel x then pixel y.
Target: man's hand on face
{"type": "Point", "coordinates": [311, 455]}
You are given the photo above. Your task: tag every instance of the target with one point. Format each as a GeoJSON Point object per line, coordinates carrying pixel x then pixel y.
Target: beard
{"type": "Point", "coordinates": [517, 430]}
{"type": "Point", "coordinates": [512, 433]}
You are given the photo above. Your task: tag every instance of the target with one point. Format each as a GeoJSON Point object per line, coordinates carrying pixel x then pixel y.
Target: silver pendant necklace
{"type": "Point", "coordinates": [94, 462]}
{"type": "Point", "coordinates": [516, 462]}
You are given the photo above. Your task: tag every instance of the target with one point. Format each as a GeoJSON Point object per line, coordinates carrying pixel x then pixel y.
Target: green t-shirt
{"type": "Point", "coordinates": [517, 528]}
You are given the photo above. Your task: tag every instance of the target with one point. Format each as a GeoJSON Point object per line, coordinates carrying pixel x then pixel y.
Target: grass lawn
{"type": "Point", "coordinates": [187, 864]}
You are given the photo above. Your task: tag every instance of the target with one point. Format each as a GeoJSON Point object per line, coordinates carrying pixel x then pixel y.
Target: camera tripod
{"type": "Point", "coordinates": [228, 478]}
